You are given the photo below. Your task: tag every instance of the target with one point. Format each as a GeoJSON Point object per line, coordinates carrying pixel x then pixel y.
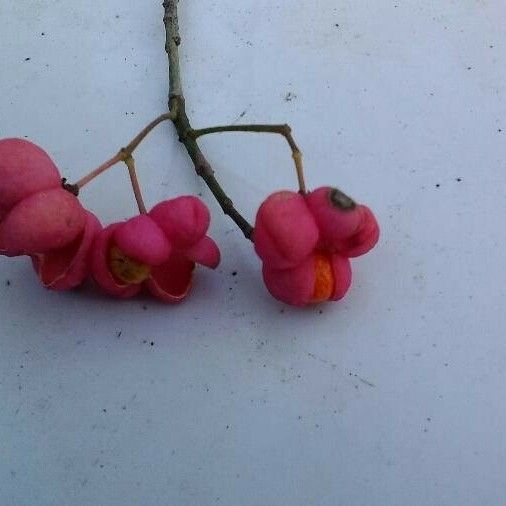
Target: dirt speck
{"type": "Point", "coordinates": [290, 96]}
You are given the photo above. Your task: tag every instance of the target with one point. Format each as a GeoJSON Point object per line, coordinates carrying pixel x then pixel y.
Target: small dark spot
{"type": "Point", "coordinates": [228, 426]}
{"type": "Point", "coordinates": [491, 47]}
{"type": "Point", "coordinates": [117, 16]}
{"type": "Point", "coordinates": [429, 419]}
{"type": "Point", "coordinates": [469, 68]}
{"type": "Point", "coordinates": [123, 407]}
{"type": "Point", "coordinates": [499, 130]}
{"type": "Point", "coordinates": [118, 334]}
{"type": "Point", "coordinates": [243, 113]}
{"type": "Point", "coordinates": [336, 25]}
{"type": "Point", "coordinates": [8, 282]}
{"type": "Point", "coordinates": [27, 59]}
{"type": "Point", "coordinates": [320, 311]}
{"type": "Point", "coordinates": [281, 311]}
{"type": "Point", "coordinates": [145, 308]}
{"type": "Point", "coordinates": [152, 343]}
{"type": "Point", "coordinates": [290, 96]}
{"type": "Point", "coordinates": [101, 466]}
{"type": "Point", "coordinates": [42, 34]}
{"type": "Point", "coordinates": [144, 341]}
{"type": "Point", "coordinates": [459, 180]}
{"type": "Point", "coordinates": [234, 273]}
{"type": "Point", "coordinates": [438, 186]}
{"type": "Point", "coordinates": [104, 410]}
{"type": "Point", "coordinates": [341, 200]}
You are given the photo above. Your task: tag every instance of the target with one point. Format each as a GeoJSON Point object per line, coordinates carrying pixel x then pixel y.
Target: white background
{"type": "Point", "coordinates": [396, 396]}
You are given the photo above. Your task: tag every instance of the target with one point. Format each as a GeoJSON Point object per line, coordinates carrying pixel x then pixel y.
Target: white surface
{"type": "Point", "coordinates": [393, 397]}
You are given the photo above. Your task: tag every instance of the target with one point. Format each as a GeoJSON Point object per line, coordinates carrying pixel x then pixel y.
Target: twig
{"type": "Point", "coordinates": [121, 155]}
{"type": "Point", "coordinates": [172, 41]}
{"type": "Point", "coordinates": [283, 130]}
{"type": "Point", "coordinates": [182, 123]}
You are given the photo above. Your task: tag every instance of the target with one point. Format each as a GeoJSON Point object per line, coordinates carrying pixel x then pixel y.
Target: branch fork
{"type": "Point", "coordinates": [189, 136]}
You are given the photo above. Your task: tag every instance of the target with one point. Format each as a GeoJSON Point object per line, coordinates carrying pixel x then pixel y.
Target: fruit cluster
{"type": "Point", "coordinates": [304, 240]}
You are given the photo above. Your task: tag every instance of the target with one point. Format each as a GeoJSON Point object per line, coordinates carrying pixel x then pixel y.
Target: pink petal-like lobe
{"type": "Point", "coordinates": [141, 239]}
{"type": "Point", "coordinates": [335, 222]}
{"type": "Point", "coordinates": [24, 170]}
{"type": "Point", "coordinates": [100, 266]}
{"type": "Point", "coordinates": [67, 267]}
{"type": "Point", "coordinates": [349, 229]}
{"type": "Point", "coordinates": [365, 238]}
{"type": "Point", "coordinates": [204, 252]}
{"type": "Point", "coordinates": [184, 220]}
{"type": "Point", "coordinates": [293, 286]}
{"type": "Point", "coordinates": [171, 282]}
{"type": "Point", "coordinates": [42, 222]}
{"type": "Point", "coordinates": [285, 231]}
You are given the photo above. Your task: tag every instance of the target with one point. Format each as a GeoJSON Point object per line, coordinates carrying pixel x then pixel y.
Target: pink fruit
{"type": "Point", "coordinates": [157, 251]}
{"type": "Point", "coordinates": [305, 242]}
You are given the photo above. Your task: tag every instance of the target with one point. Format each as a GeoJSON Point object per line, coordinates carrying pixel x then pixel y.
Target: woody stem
{"type": "Point", "coordinates": [182, 123]}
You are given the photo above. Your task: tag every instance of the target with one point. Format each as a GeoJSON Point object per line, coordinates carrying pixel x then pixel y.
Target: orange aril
{"type": "Point", "coordinates": [324, 278]}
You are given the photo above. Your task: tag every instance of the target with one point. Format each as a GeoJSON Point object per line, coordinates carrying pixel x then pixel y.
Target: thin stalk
{"type": "Point", "coordinates": [130, 163]}
{"type": "Point", "coordinates": [121, 155]}
{"type": "Point", "coordinates": [283, 130]}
